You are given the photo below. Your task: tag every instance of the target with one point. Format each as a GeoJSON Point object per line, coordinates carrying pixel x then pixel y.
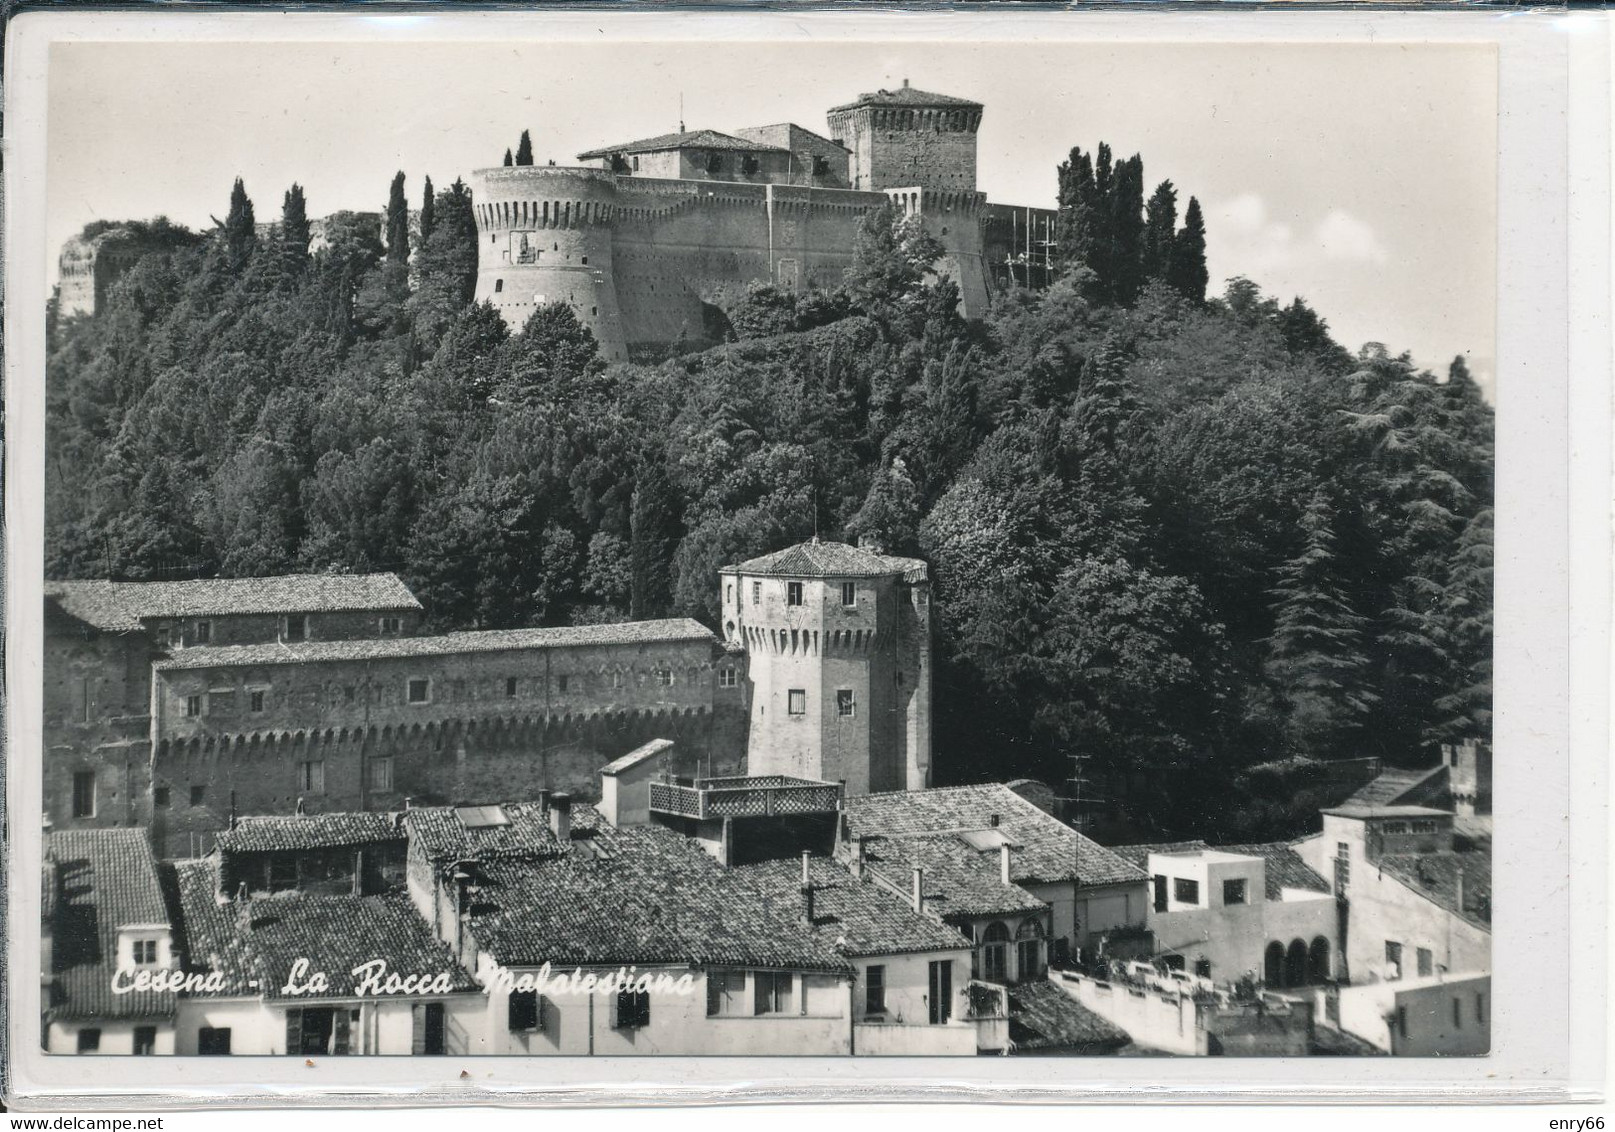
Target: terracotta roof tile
{"type": "Point", "coordinates": [491, 640]}
{"type": "Point", "coordinates": [444, 836]}
{"type": "Point", "coordinates": [122, 606]}
{"type": "Point", "coordinates": [1435, 877]}
{"type": "Point", "coordinates": [255, 943]}
{"type": "Point", "coordinates": [828, 560]}
{"type": "Point", "coordinates": [1042, 1016]}
{"type": "Point", "coordinates": [308, 831]}
{"type": "Point", "coordinates": [1046, 849]}
{"type": "Point", "coordinates": [959, 882]}
{"type": "Point", "coordinates": [690, 139]}
{"type": "Point", "coordinates": [857, 917]}
{"type": "Point", "coordinates": [907, 96]}
{"type": "Point", "coordinates": [104, 879]}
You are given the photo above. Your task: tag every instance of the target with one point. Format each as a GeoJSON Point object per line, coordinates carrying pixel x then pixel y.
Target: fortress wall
{"type": "Point", "coordinates": [472, 742]}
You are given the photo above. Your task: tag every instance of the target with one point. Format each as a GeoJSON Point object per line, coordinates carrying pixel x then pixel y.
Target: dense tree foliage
{"type": "Point", "coordinates": [1192, 540]}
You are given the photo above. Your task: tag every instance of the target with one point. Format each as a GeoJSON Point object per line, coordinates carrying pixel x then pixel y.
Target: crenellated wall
{"type": "Point", "coordinates": [636, 257]}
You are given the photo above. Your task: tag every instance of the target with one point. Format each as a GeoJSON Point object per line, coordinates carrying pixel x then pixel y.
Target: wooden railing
{"type": "Point", "coordinates": [744, 797]}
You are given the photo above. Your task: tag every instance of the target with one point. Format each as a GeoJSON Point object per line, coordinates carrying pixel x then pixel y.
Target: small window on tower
{"type": "Point", "coordinates": [793, 593]}
{"type": "Point", "coordinates": [498, 286]}
{"type": "Point", "coordinates": [846, 704]}
{"type": "Point", "coordinates": [798, 701]}
{"type": "Point", "coordinates": [757, 593]}
{"type": "Point", "coordinates": [849, 593]}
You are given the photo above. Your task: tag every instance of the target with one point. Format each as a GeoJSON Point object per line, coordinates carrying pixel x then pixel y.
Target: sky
{"type": "Point", "coordinates": [1360, 177]}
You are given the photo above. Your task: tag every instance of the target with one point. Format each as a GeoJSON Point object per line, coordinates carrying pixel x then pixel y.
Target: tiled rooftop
{"type": "Point", "coordinates": [857, 917]}
{"type": "Point", "coordinates": [1397, 786]}
{"type": "Point", "coordinates": [122, 606]}
{"type": "Point", "coordinates": [1044, 1017]}
{"type": "Point", "coordinates": [255, 943]}
{"type": "Point", "coordinates": [444, 836]}
{"type": "Point", "coordinates": [817, 559]}
{"type": "Point", "coordinates": [651, 897]}
{"type": "Point", "coordinates": [689, 139]}
{"type": "Point", "coordinates": [105, 878]}
{"type": "Point", "coordinates": [1046, 849]}
{"type": "Point", "coordinates": [908, 96]}
{"type": "Point", "coordinates": [490, 640]}
{"type": "Point", "coordinates": [959, 882]}
{"type": "Point", "coordinates": [1435, 876]}
{"type": "Point", "coordinates": [638, 755]}
{"type": "Point", "coordinates": [308, 831]}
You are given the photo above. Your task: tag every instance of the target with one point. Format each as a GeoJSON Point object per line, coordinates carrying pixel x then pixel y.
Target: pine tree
{"type": "Point", "coordinates": [398, 222]}
{"type": "Point", "coordinates": [294, 232]}
{"type": "Point", "coordinates": [1188, 273]}
{"type": "Point", "coordinates": [240, 227]}
{"type": "Point", "coordinates": [1160, 228]}
{"type": "Point", "coordinates": [524, 150]}
{"type": "Point", "coordinates": [428, 212]}
{"type": "Point", "coordinates": [1316, 659]}
{"type": "Point", "coordinates": [508, 159]}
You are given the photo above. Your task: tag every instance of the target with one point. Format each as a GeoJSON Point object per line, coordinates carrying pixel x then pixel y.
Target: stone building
{"type": "Point", "coordinates": [644, 233]}
{"type": "Point", "coordinates": [838, 641]}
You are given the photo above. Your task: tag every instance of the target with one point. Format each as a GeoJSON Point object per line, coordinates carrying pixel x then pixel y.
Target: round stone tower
{"type": "Point", "coordinates": [544, 235]}
{"type": "Point", "coordinates": [838, 648]}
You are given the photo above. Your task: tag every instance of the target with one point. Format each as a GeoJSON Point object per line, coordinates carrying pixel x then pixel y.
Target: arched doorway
{"type": "Point", "coordinates": [1273, 972]}
{"type": "Point", "coordinates": [1295, 964]}
{"type": "Point", "coordinates": [995, 953]}
{"type": "Point", "coordinates": [1318, 961]}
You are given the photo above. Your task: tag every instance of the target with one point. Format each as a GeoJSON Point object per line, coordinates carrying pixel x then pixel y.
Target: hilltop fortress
{"type": "Point", "coordinates": [638, 240]}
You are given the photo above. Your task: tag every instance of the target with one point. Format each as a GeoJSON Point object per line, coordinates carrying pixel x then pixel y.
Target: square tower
{"type": "Point", "coordinates": [838, 647]}
{"type": "Point", "coordinates": [909, 138]}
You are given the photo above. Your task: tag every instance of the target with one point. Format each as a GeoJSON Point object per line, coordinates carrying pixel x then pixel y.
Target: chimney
{"type": "Point", "coordinates": [1003, 862]}
{"type": "Point", "coordinates": [299, 805]}
{"type": "Point", "coordinates": [858, 856]}
{"type": "Point", "coordinates": [232, 809]}
{"type": "Point", "coordinates": [917, 893]}
{"type": "Point", "coordinates": [561, 816]}
{"type": "Point", "coordinates": [726, 846]}
{"type": "Point", "coordinates": [408, 802]}
{"type": "Point", "coordinates": [543, 801]}
{"type": "Point", "coordinates": [905, 84]}
{"type": "Point", "coordinates": [1458, 889]}
{"type": "Point", "coordinates": [807, 876]}
{"type": "Point", "coordinates": [994, 821]}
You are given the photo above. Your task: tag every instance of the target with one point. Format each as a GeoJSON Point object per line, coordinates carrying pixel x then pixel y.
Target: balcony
{"type": "Point", "coordinates": [763, 796]}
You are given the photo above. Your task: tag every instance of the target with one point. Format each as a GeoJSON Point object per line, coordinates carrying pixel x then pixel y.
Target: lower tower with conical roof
{"type": "Point", "coordinates": [838, 645]}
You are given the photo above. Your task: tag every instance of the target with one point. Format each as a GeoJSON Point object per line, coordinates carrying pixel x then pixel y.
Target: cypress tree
{"type": "Point", "coordinates": [1160, 228]}
{"type": "Point", "coordinates": [398, 222]}
{"type": "Point", "coordinates": [1126, 218]}
{"type": "Point", "coordinates": [240, 227]}
{"type": "Point", "coordinates": [294, 232]}
{"type": "Point", "coordinates": [1315, 655]}
{"type": "Point", "coordinates": [1074, 223]}
{"type": "Point", "coordinates": [1188, 273]}
{"type": "Point", "coordinates": [524, 150]}
{"type": "Point", "coordinates": [508, 160]}
{"type": "Point", "coordinates": [428, 213]}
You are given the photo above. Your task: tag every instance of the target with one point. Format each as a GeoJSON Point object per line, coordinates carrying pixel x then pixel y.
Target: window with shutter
{"type": "Point", "coordinates": [523, 1012]}
{"type": "Point", "coordinates": [343, 1031]}
{"type": "Point", "coordinates": [632, 1010]}
{"type": "Point", "coordinates": [294, 1031]}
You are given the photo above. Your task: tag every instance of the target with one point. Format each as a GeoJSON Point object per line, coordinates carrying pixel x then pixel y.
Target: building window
{"type": "Point", "coordinates": [204, 632]}
{"type": "Point", "coordinates": [255, 701]}
{"type": "Point", "coordinates": [510, 686]}
{"type": "Point", "coordinates": [749, 165]}
{"type": "Point", "coordinates": [1185, 891]}
{"type": "Point", "coordinates": [849, 593]}
{"type": "Point", "coordinates": [430, 1029]}
{"type": "Point", "coordinates": [294, 628]}
{"type": "Point", "coordinates": [845, 703]}
{"type": "Point", "coordinates": [772, 992]}
{"type": "Point", "coordinates": [349, 694]}
{"type": "Point", "coordinates": [635, 163]}
{"type": "Point", "coordinates": [616, 679]}
{"type": "Point", "coordinates": [797, 704]}
{"type": "Point", "coordinates": [726, 993]}
{"type": "Point", "coordinates": [498, 286]}
{"type": "Point", "coordinates": [420, 690]}
{"type": "Point", "coordinates": [159, 797]}
{"type": "Point", "coordinates": [757, 593]}
{"type": "Point", "coordinates": [145, 1041]}
{"type": "Point", "coordinates": [1457, 1013]}
{"type": "Point", "coordinates": [1480, 1008]}
{"type": "Point", "coordinates": [875, 989]}
{"type": "Point", "coordinates": [89, 1040]}
{"type": "Point", "coordinates": [1402, 1021]}
{"type": "Point", "coordinates": [939, 985]}
{"type": "Point", "coordinates": [1160, 893]}
{"type": "Point", "coordinates": [1029, 951]}
{"type": "Point", "coordinates": [381, 773]}
{"type": "Point", "coordinates": [193, 706]}
{"type": "Point", "coordinates": [1393, 960]}
{"type": "Point", "coordinates": [793, 593]}
{"type": "Point", "coordinates": [633, 1010]}
{"type": "Point", "coordinates": [728, 678]}
{"type": "Point", "coordinates": [821, 166]}
{"type": "Point", "coordinates": [393, 624]}
{"type": "Point", "coordinates": [145, 952]}
{"type": "Point", "coordinates": [1233, 891]}
{"type": "Point", "coordinates": [213, 1041]}
{"type": "Point", "coordinates": [665, 677]}
{"type": "Point", "coordinates": [729, 594]}
{"type": "Point", "coordinates": [561, 683]}
{"type": "Point", "coordinates": [995, 953]}
{"type": "Point", "coordinates": [311, 776]}
{"type": "Point", "coordinates": [198, 795]}
{"type": "Point", "coordinates": [1426, 960]}
{"type": "Point", "coordinates": [526, 1012]}
{"type": "Point", "coordinates": [84, 794]}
